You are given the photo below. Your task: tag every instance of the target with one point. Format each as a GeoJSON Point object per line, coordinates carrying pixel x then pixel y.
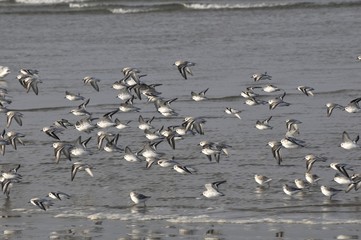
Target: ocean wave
{"type": "Point", "coordinates": [126, 9]}
{"type": "Point", "coordinates": [215, 6]}
{"type": "Point", "coordinates": [268, 5]}
{"type": "Point", "coordinates": [204, 218]}
{"type": "Point", "coordinates": [46, 2]}
{"type": "Point", "coordinates": [306, 221]}
{"type": "Point", "coordinates": [117, 7]}
{"type": "Point", "coordinates": [223, 6]}
{"type": "Point", "coordinates": [133, 10]}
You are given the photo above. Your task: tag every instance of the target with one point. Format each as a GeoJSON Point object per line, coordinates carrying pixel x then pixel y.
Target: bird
{"type": "Point", "coordinates": [52, 131]}
{"type": "Point", "coordinates": [4, 71]}
{"type": "Point", "coordinates": [128, 106]}
{"type": "Point", "coordinates": [4, 141]}
{"type": "Point", "coordinates": [164, 106]}
{"type": "Point", "coordinates": [261, 76]}
{"type": "Point", "coordinates": [212, 190]}
{"type": "Point", "coordinates": [88, 80]}
{"type": "Point", "coordinates": [249, 92]}
{"type": "Point", "coordinates": [263, 125]}
{"type": "Point", "coordinates": [220, 146]}
{"type": "Point", "coordinates": [130, 156]}
{"type": "Point", "coordinates": [300, 183]}
{"type": "Point", "coordinates": [270, 88]}
{"type": "Point", "coordinates": [81, 109]}
{"type": "Point", "coordinates": [106, 121]}
{"type": "Point", "coordinates": [312, 178]}
{"type": "Point", "coordinates": [79, 148]}
{"type": "Point", "coordinates": [342, 179]}
{"type": "Point", "coordinates": [58, 195]}
{"type": "Point", "coordinates": [27, 75]}
{"type": "Point", "coordinates": [15, 137]}
{"type": "Point", "coordinates": [145, 89]}
{"type": "Point", "coordinates": [131, 75]}
{"type": "Point", "coordinates": [101, 136]}
{"type": "Point", "coordinates": [292, 126]}
{"type": "Point", "coordinates": [149, 162]}
{"type": "Point", "coordinates": [121, 125]}
{"type": "Point", "coordinates": [194, 123]}
{"type": "Point", "coordinates": [149, 150]}
{"type": "Point", "coordinates": [278, 101]}
{"type": "Point", "coordinates": [145, 123]}
{"type": "Point", "coordinates": [32, 83]}
{"type": "Point", "coordinates": [8, 177]}
{"type": "Point", "coordinates": [306, 90]}
{"type": "Point", "coordinates": [262, 180]}
{"type": "Point", "coordinates": [253, 101]}
{"type": "Point", "coordinates": [347, 143]}
{"type": "Point", "coordinates": [201, 96]}
{"type": "Point", "coordinates": [14, 115]}
{"type": "Point", "coordinates": [355, 183]}
{"type": "Point", "coordinates": [170, 135]}
{"type": "Point", "coordinates": [212, 150]}
{"type": "Point", "coordinates": [353, 106]}
{"type": "Point", "coordinates": [291, 142]}
{"type": "Point", "coordinates": [42, 203]}
{"type": "Point", "coordinates": [78, 166]}
{"type": "Point", "coordinates": [62, 148]}
{"type": "Point", "coordinates": [112, 145]}
{"type": "Point", "coordinates": [276, 148]}
{"type": "Point", "coordinates": [167, 163]}
{"type": "Point", "coordinates": [311, 159]}
{"type": "Point", "coordinates": [138, 197]}
{"type": "Point", "coordinates": [182, 169]}
{"type": "Point", "coordinates": [233, 111]}
{"type": "Point", "coordinates": [341, 168]}
{"type": "Point", "coordinates": [153, 135]}
{"type": "Point", "coordinates": [85, 125]}
{"type": "Point", "coordinates": [329, 191]}
{"type": "Point", "coordinates": [7, 184]}
{"type": "Point", "coordinates": [184, 67]}
{"type": "Point", "coordinates": [331, 107]}
{"type": "Point", "coordinates": [73, 97]}
{"type": "Point", "coordinates": [63, 123]}
{"type": "Point", "coordinates": [125, 93]}
{"type": "Point", "coordinates": [29, 79]}
{"type": "Point", "coordinates": [290, 190]}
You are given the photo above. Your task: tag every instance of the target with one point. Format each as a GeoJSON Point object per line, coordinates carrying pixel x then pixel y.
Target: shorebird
{"type": "Point", "coordinates": [184, 67]}
{"type": "Point", "coordinates": [262, 180]}
{"type": "Point", "coordinates": [78, 166]}
{"type": "Point", "coordinates": [261, 76]}
{"type": "Point", "coordinates": [212, 190]}
{"type": "Point", "coordinates": [138, 198]}
{"type": "Point", "coordinates": [88, 80]}
{"type": "Point", "coordinates": [347, 143]}
{"type": "Point", "coordinates": [306, 90]}
{"type": "Point", "coordinates": [290, 190]}
{"type": "Point", "coordinates": [4, 71]}
{"type": "Point", "coordinates": [201, 96]}
{"type": "Point", "coordinates": [329, 191]}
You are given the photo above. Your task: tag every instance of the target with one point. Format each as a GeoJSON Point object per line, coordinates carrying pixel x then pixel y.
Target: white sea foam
{"type": "Point", "coordinates": [215, 6]}
{"type": "Point", "coordinates": [126, 217]}
{"type": "Point", "coordinates": [38, 2]}
{"type": "Point", "coordinates": [203, 218]}
{"type": "Point", "coordinates": [130, 10]}
{"type": "Point", "coordinates": [206, 219]}
{"type": "Point", "coordinates": [82, 5]}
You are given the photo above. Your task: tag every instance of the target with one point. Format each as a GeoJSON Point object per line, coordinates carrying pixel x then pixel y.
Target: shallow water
{"type": "Point", "coordinates": [298, 43]}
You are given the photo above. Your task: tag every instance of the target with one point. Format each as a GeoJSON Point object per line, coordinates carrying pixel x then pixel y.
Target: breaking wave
{"type": "Point", "coordinates": [116, 7]}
